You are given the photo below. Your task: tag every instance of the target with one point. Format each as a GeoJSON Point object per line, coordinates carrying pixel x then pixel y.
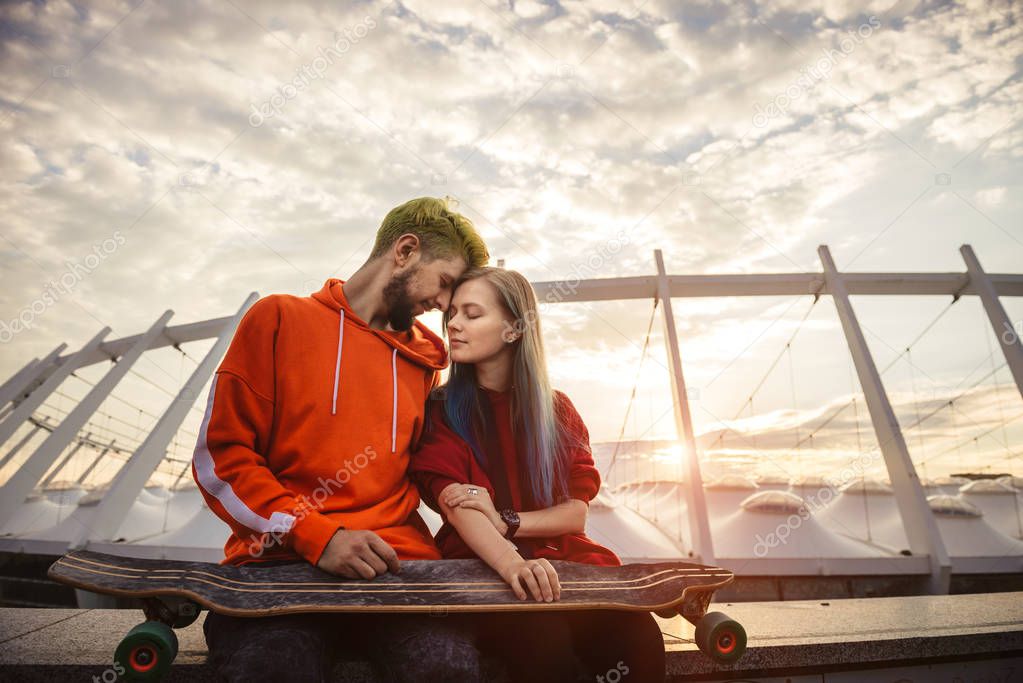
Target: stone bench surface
{"type": "Point", "coordinates": [47, 644]}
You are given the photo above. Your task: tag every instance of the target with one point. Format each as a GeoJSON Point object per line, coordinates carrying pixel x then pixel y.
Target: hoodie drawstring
{"type": "Point", "coordinates": [394, 393]}
{"type": "Point", "coordinates": [337, 365]}
{"type": "Point", "coordinates": [394, 382]}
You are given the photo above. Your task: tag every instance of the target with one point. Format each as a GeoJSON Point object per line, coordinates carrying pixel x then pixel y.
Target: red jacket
{"type": "Point", "coordinates": [308, 428]}
{"type": "Point", "coordinates": [444, 458]}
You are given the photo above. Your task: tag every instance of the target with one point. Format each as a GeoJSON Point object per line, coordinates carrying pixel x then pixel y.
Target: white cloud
{"type": "Point", "coordinates": [992, 196]}
{"type": "Point", "coordinates": [557, 125]}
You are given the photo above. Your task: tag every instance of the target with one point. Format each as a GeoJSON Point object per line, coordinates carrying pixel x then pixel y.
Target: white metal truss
{"type": "Point", "coordinates": [29, 387]}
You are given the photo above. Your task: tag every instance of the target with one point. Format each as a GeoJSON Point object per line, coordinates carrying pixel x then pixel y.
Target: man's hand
{"type": "Point", "coordinates": [358, 554]}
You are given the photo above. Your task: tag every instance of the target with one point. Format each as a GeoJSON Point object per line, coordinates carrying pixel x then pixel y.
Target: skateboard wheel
{"type": "Point", "coordinates": [720, 637]}
{"type": "Point", "coordinates": [146, 653]}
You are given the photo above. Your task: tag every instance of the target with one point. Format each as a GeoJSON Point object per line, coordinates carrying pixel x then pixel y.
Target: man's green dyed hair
{"type": "Point", "coordinates": [442, 233]}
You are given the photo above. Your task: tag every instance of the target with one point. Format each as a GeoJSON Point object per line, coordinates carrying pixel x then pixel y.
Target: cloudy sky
{"type": "Point", "coordinates": [183, 154]}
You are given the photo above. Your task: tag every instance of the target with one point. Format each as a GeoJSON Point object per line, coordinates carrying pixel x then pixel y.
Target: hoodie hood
{"type": "Point", "coordinates": [419, 345]}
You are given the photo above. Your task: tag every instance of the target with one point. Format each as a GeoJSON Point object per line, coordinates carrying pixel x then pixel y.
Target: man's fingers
{"type": "Point", "coordinates": [362, 569]}
{"type": "Point", "coordinates": [331, 569]}
{"type": "Point", "coordinates": [370, 557]}
{"type": "Point", "coordinates": [386, 553]}
{"type": "Point", "coordinates": [345, 571]}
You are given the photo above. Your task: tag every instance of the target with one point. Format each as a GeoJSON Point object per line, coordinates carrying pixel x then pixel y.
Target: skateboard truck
{"type": "Point", "coordinates": [718, 636]}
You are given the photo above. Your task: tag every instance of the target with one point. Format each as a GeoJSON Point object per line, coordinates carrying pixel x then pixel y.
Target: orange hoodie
{"type": "Point", "coordinates": [308, 428]}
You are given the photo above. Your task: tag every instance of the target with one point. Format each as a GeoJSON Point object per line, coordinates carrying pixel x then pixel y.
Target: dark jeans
{"type": "Point", "coordinates": [605, 646]}
{"type": "Point", "coordinates": [305, 647]}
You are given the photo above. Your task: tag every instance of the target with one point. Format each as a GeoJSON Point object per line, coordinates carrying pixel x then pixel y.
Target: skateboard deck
{"type": "Point", "coordinates": [421, 585]}
{"type": "Point", "coordinates": [171, 592]}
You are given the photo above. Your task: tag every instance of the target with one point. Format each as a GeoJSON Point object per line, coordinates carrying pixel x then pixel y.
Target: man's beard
{"type": "Point", "coordinates": [399, 303]}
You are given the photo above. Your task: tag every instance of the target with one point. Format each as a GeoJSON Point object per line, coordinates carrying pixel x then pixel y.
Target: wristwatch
{"type": "Point", "coordinates": [511, 518]}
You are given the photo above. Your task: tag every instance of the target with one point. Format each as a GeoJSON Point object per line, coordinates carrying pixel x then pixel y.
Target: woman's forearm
{"type": "Point", "coordinates": [565, 518]}
{"type": "Point", "coordinates": [536, 576]}
{"type": "Point", "coordinates": [482, 537]}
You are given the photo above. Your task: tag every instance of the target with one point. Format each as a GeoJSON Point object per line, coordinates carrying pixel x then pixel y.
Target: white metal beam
{"type": "Point", "coordinates": [172, 336]}
{"type": "Point", "coordinates": [22, 379]}
{"type": "Point", "coordinates": [33, 469]}
{"type": "Point", "coordinates": [18, 446]}
{"type": "Point", "coordinates": [699, 524]}
{"type": "Point", "coordinates": [10, 388]}
{"type": "Point", "coordinates": [770, 284]}
{"type": "Point", "coordinates": [1007, 335]}
{"type": "Point", "coordinates": [921, 527]}
{"type": "Point", "coordinates": [645, 287]}
{"type": "Point", "coordinates": [63, 463]}
{"type": "Point", "coordinates": [36, 398]}
{"type": "Point", "coordinates": [88, 470]}
{"type": "Point", "coordinates": [111, 510]}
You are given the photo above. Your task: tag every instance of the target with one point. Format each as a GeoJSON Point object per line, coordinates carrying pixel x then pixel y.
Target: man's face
{"type": "Point", "coordinates": [420, 287]}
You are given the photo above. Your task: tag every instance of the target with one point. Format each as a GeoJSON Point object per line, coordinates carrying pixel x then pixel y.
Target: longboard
{"type": "Point", "coordinates": [172, 591]}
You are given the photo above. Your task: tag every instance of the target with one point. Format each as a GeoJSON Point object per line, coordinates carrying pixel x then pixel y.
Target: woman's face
{"type": "Point", "coordinates": [478, 324]}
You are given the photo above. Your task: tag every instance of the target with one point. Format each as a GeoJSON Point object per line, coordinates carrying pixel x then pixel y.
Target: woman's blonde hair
{"type": "Point", "coordinates": [534, 412]}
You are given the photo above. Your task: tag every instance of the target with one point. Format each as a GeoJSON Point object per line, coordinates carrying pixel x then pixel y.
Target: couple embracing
{"type": "Point", "coordinates": [326, 425]}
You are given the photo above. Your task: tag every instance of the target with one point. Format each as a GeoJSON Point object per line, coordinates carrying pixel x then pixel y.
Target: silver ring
{"type": "Point", "coordinates": [474, 492]}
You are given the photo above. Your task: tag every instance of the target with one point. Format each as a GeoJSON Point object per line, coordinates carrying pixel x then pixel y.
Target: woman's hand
{"type": "Point", "coordinates": [539, 576]}
{"type": "Point", "coordinates": [461, 495]}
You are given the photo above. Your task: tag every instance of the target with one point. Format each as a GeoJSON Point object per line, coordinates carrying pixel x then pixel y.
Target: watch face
{"type": "Point", "coordinates": [511, 518]}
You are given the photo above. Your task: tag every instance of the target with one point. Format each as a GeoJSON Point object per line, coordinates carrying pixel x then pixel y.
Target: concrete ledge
{"type": "Point", "coordinates": [827, 637]}
{"type": "Point", "coordinates": [922, 638]}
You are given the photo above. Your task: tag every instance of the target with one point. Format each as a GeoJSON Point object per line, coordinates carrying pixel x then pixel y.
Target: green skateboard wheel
{"type": "Point", "coordinates": [146, 653]}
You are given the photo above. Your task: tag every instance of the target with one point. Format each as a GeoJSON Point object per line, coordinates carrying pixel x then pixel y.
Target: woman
{"type": "Point", "coordinates": [506, 461]}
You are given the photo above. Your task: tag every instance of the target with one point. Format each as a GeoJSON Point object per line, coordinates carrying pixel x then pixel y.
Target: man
{"type": "Point", "coordinates": [305, 443]}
